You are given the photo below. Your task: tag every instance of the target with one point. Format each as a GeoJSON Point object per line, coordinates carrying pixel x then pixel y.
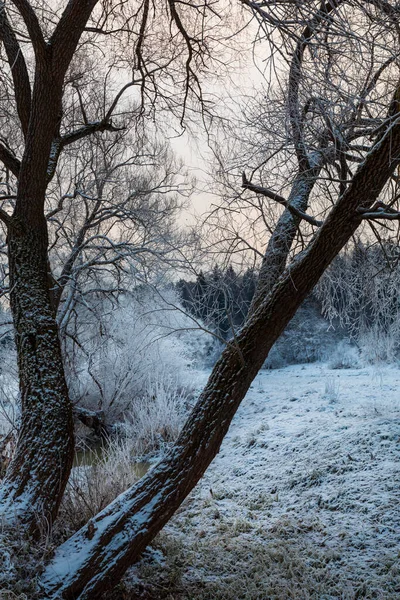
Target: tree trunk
{"type": "Point", "coordinates": [38, 473]}
{"type": "Point", "coordinates": [280, 243]}
{"type": "Point", "coordinates": [96, 557]}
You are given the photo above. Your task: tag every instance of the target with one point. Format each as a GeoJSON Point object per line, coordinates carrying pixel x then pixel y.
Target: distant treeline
{"type": "Point", "coordinates": [219, 298]}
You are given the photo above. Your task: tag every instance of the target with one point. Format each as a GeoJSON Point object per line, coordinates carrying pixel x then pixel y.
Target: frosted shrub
{"type": "Point", "coordinates": [378, 346]}
{"type": "Point", "coordinates": [344, 356]}
{"type": "Point", "coordinates": [332, 388]}
{"type": "Point", "coordinates": [275, 359]}
{"type": "Point", "coordinates": [145, 345]}
{"type": "Point", "coordinates": [361, 289]}
{"type": "Point", "coordinates": [156, 418]}
{"type": "Point", "coordinates": [307, 339]}
{"type": "Point", "coordinates": [102, 474]}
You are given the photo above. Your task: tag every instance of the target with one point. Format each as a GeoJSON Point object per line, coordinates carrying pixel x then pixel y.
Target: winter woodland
{"type": "Point", "coordinates": [199, 406]}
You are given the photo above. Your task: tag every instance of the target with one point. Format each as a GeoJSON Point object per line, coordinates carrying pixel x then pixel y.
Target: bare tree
{"type": "Point", "coordinates": [118, 215]}
{"type": "Point", "coordinates": [299, 140]}
{"type": "Point", "coordinates": [98, 555]}
{"type": "Point", "coordinates": [357, 193]}
{"type": "Point", "coordinates": [111, 210]}
{"type": "Point", "coordinates": [42, 66]}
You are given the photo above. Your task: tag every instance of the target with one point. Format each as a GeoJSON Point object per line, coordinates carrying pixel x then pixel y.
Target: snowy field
{"type": "Point", "coordinates": [303, 500]}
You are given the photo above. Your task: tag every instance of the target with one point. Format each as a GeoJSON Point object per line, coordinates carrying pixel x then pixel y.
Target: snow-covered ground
{"type": "Point", "coordinates": [303, 500]}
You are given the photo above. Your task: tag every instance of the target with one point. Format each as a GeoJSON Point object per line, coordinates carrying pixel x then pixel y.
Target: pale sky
{"type": "Point", "coordinates": [195, 152]}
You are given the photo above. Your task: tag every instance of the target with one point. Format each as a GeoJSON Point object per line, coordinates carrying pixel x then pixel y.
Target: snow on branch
{"type": "Point", "coordinates": [281, 200]}
{"type": "Point", "coordinates": [379, 211]}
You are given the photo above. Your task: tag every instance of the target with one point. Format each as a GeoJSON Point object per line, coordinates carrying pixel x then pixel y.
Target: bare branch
{"type": "Point", "coordinates": [381, 216]}
{"type": "Point", "coordinates": [68, 32]}
{"type": "Point", "coordinates": [189, 41]}
{"type": "Point", "coordinates": [9, 160]}
{"type": "Point", "coordinates": [19, 72]}
{"type": "Point", "coordinates": [74, 136]}
{"type": "Point", "coordinates": [273, 196]}
{"type": "Point", "coordinates": [5, 217]}
{"type": "Point", "coordinates": [379, 211]}
{"type": "Point", "coordinates": [86, 130]}
{"type": "Point", "coordinates": [116, 100]}
{"type": "Point", "coordinates": [33, 26]}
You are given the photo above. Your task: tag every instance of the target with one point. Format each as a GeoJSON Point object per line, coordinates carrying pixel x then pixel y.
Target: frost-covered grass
{"type": "Point", "coordinates": [302, 501]}
{"type": "Point", "coordinates": [156, 418]}
{"type": "Point", "coordinates": [21, 561]}
{"type": "Point", "coordinates": [100, 477]}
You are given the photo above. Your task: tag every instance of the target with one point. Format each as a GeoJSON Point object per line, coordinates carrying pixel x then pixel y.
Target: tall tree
{"type": "Point", "coordinates": [54, 109]}
{"type": "Point", "coordinates": [356, 194]}
{"type": "Point", "coordinates": [98, 555]}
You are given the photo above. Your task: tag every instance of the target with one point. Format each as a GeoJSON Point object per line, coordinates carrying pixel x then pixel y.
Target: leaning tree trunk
{"type": "Point", "coordinates": [280, 243]}
{"type": "Point", "coordinates": [309, 168]}
{"type": "Point", "coordinates": [95, 558]}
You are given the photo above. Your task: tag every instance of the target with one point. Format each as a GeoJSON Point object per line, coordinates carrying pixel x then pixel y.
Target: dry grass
{"type": "Point", "coordinates": [103, 474]}
{"type": "Point", "coordinates": [21, 562]}
{"type": "Point", "coordinates": [156, 418]}
{"type": "Point", "coordinates": [246, 563]}
{"type": "Point", "coordinates": [101, 477]}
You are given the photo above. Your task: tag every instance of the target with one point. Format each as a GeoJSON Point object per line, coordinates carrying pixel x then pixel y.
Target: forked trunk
{"type": "Point", "coordinates": [281, 241]}
{"type": "Point", "coordinates": [95, 558]}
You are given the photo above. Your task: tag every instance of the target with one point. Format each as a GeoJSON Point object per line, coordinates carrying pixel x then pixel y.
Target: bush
{"type": "Point", "coordinates": [344, 356]}
{"type": "Point", "coordinates": [144, 348]}
{"type": "Point", "coordinates": [377, 346]}
{"type": "Point", "coordinates": [308, 338]}
{"type": "Point", "coordinates": [156, 418]}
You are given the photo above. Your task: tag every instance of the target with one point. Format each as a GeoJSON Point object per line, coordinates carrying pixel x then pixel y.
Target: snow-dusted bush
{"type": "Point", "coordinates": [361, 290]}
{"type": "Point", "coordinates": [308, 338]}
{"type": "Point", "coordinates": [156, 418]}
{"type": "Point", "coordinates": [144, 351]}
{"type": "Point", "coordinates": [344, 356]}
{"type": "Point", "coordinates": [276, 358]}
{"type": "Point", "coordinates": [137, 363]}
{"type": "Point", "coordinates": [377, 346]}
{"type": "Point", "coordinates": [332, 389]}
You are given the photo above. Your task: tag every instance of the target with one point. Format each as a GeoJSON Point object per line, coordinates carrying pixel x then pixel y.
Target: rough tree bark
{"type": "Point", "coordinates": [36, 478]}
{"type": "Point", "coordinates": [281, 240]}
{"type": "Point", "coordinates": [96, 556]}
{"type": "Point", "coordinates": [39, 470]}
